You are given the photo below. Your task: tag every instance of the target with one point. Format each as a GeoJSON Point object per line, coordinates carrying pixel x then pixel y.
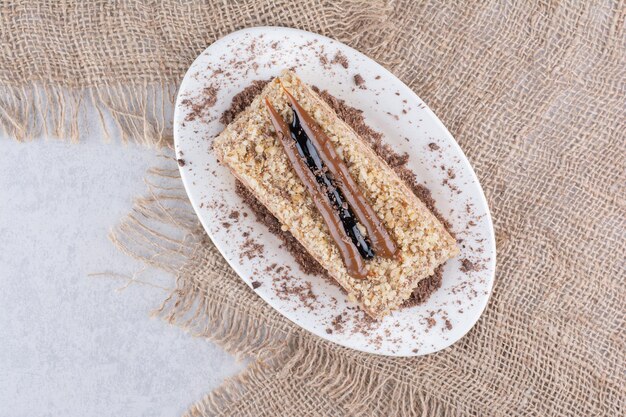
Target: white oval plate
{"type": "Point", "coordinates": [231, 64]}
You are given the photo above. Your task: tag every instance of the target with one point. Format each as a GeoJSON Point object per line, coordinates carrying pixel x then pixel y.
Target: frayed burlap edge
{"type": "Point", "coordinates": [139, 114]}
{"type": "Point", "coordinates": [49, 102]}
{"type": "Point", "coordinates": [205, 304]}
{"type": "Point", "coordinates": [161, 230]}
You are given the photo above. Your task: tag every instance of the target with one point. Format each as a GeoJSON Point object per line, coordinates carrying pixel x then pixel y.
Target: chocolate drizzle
{"type": "Point", "coordinates": [319, 144]}
{"type": "Point", "coordinates": [351, 257]}
{"type": "Point", "coordinates": [309, 153]}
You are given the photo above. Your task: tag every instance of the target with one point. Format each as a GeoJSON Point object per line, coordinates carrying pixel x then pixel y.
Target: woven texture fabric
{"type": "Point", "coordinates": [534, 92]}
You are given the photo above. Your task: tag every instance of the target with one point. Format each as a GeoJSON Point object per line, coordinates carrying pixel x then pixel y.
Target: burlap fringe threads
{"type": "Point", "coordinates": [137, 114]}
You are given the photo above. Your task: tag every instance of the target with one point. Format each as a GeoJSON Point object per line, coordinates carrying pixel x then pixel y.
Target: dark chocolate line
{"type": "Point", "coordinates": [382, 242]}
{"type": "Point", "coordinates": [353, 261]}
{"type": "Point", "coordinates": [311, 156]}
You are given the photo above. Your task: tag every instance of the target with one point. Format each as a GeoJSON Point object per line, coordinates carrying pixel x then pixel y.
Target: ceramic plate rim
{"type": "Point", "coordinates": [449, 137]}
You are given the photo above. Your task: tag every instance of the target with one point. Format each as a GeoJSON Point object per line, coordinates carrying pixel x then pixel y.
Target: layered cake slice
{"type": "Point", "coordinates": [329, 189]}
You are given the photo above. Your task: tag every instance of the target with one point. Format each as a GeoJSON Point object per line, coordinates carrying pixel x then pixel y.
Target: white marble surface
{"type": "Point", "coordinates": [70, 344]}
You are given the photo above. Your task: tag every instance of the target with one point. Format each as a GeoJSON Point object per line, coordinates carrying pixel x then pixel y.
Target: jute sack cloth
{"type": "Point", "coordinates": [533, 91]}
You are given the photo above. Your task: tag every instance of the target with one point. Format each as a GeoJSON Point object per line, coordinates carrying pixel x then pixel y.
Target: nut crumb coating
{"type": "Point", "coordinates": [250, 148]}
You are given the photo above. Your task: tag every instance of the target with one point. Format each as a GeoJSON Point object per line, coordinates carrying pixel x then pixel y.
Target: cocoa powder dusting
{"type": "Point", "coordinates": [338, 322]}
{"type": "Point", "coordinates": [340, 59]}
{"type": "Point", "coordinates": [243, 100]}
{"type": "Point", "coordinates": [251, 249]}
{"type": "Point", "coordinates": [359, 81]}
{"type": "Point", "coordinates": [425, 288]}
{"type": "Point", "coordinates": [286, 290]}
{"type": "Point", "coordinates": [469, 266]}
{"type": "Point", "coordinates": [200, 105]}
{"type": "Point", "coordinates": [430, 322]}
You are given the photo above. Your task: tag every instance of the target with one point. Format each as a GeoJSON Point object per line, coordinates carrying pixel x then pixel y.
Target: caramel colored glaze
{"type": "Point", "coordinates": [355, 265]}
{"type": "Point", "coordinates": [382, 243]}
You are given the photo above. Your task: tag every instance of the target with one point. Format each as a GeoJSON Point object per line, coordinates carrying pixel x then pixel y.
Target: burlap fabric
{"type": "Point", "coordinates": [533, 91]}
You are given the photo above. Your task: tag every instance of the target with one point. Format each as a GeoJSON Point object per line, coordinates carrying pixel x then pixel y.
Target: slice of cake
{"type": "Point", "coordinates": [343, 203]}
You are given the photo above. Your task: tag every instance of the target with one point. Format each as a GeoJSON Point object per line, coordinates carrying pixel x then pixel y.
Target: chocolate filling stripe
{"type": "Point", "coordinates": [382, 243]}
{"type": "Point", "coordinates": [327, 181]}
{"type": "Point", "coordinates": [353, 261]}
